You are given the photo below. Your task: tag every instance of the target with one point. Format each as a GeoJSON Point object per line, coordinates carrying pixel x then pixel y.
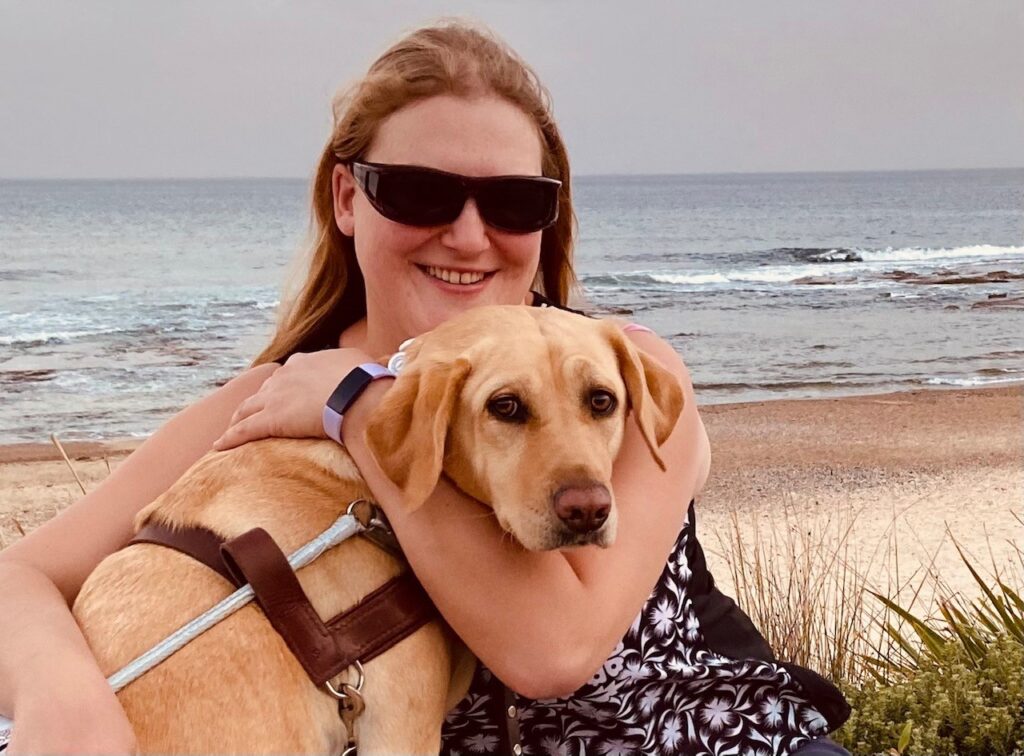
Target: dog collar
{"type": "Point", "coordinates": [351, 386]}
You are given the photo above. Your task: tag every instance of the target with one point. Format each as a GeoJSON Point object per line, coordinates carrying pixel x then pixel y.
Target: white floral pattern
{"type": "Point", "coordinates": [663, 691]}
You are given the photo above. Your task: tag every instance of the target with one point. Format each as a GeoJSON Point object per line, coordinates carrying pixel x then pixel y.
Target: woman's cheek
{"type": "Point", "coordinates": [527, 253]}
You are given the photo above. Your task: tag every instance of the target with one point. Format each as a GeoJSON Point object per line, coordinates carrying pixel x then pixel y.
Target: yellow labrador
{"type": "Point", "coordinates": [522, 408]}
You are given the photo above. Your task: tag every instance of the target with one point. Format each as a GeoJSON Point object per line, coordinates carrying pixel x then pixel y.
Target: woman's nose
{"type": "Point", "coordinates": [468, 232]}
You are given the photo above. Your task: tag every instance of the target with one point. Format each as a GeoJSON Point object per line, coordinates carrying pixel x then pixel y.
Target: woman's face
{"type": "Point", "coordinates": [402, 264]}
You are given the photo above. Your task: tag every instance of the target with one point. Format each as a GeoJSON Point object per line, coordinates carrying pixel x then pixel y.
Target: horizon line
{"type": "Point", "coordinates": [575, 176]}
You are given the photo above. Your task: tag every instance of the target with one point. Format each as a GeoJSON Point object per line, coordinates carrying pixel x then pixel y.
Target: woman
{"type": "Point", "coordinates": [400, 249]}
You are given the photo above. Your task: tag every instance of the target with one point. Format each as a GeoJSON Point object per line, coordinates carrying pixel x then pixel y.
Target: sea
{"type": "Point", "coordinates": [123, 301]}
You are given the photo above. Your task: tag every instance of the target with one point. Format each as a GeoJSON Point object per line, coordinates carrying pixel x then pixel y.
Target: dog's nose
{"type": "Point", "coordinates": [583, 508]}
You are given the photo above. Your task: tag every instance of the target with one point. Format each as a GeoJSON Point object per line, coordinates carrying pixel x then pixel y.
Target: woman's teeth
{"type": "Point", "coordinates": [454, 277]}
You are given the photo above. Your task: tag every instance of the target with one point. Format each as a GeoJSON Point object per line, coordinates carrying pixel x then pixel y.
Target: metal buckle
{"type": "Point", "coordinates": [376, 527]}
{"type": "Point", "coordinates": [358, 687]}
{"type": "Point", "coordinates": [350, 706]}
{"type": "Point", "coordinates": [367, 514]}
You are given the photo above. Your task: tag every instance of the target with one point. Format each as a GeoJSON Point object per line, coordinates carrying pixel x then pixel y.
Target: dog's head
{"type": "Point", "coordinates": [524, 409]}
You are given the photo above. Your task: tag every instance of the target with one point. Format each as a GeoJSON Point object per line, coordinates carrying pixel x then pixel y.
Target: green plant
{"type": "Point", "coordinates": [956, 704]}
{"type": "Point", "coordinates": [971, 625]}
{"type": "Point", "coordinates": [955, 681]}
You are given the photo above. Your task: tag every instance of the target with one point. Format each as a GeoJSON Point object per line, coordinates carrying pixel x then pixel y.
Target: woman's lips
{"type": "Point", "coordinates": [434, 272]}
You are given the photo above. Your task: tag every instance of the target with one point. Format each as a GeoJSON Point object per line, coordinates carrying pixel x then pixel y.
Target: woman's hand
{"type": "Point", "coordinates": [290, 402]}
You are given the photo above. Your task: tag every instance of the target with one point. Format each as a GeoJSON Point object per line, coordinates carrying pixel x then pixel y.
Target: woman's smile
{"type": "Point", "coordinates": [417, 277]}
{"type": "Point", "coordinates": [457, 280]}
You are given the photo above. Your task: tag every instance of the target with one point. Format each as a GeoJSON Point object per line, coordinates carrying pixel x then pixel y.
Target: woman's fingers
{"type": "Point", "coordinates": [249, 407]}
{"type": "Point", "coordinates": [290, 402]}
{"type": "Point", "coordinates": [244, 423]}
{"type": "Point", "coordinates": [253, 427]}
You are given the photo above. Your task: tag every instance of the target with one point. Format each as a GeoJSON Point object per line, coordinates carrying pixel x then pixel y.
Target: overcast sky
{"type": "Point", "coordinates": [142, 88]}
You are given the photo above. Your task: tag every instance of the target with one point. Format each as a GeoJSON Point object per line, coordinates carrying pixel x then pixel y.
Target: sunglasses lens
{"type": "Point", "coordinates": [419, 198]}
{"type": "Point", "coordinates": [520, 205]}
{"type": "Point", "coordinates": [426, 197]}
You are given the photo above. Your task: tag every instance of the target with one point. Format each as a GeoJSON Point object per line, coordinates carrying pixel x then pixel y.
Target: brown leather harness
{"type": "Point", "coordinates": [326, 649]}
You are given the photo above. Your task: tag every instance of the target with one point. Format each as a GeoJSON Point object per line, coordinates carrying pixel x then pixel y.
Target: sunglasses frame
{"type": "Point", "coordinates": [363, 172]}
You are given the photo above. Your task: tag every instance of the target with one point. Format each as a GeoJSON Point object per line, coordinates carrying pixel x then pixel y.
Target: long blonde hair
{"type": "Point", "coordinates": [453, 58]}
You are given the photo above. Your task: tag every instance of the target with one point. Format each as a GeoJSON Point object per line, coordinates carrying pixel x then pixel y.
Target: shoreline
{"type": "Point", "coordinates": [115, 446]}
{"type": "Point", "coordinates": [890, 479]}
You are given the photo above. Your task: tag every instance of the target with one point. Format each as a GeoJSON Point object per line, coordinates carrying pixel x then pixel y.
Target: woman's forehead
{"type": "Point", "coordinates": [483, 136]}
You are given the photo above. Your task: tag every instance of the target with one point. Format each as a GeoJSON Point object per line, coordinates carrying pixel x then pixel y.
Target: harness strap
{"type": "Point", "coordinates": [255, 558]}
{"type": "Point", "coordinates": [376, 623]}
{"type": "Point", "coordinates": [379, 621]}
{"type": "Point", "coordinates": [195, 541]}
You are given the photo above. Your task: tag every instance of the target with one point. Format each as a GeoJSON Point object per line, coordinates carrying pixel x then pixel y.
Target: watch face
{"type": "Point", "coordinates": [352, 385]}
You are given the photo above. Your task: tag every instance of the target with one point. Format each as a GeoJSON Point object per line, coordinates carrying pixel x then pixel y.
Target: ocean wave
{"type": "Point", "coordinates": [767, 276]}
{"type": "Point", "coordinates": [819, 254]}
{"type": "Point", "coordinates": [865, 273]}
{"type": "Point", "coordinates": [984, 378]}
{"type": "Point", "coordinates": [85, 318]}
{"type": "Point", "coordinates": [781, 386]}
{"type": "Point", "coordinates": [898, 254]}
{"type": "Point", "coordinates": [702, 278]}
{"type": "Point", "coordinates": [38, 338]}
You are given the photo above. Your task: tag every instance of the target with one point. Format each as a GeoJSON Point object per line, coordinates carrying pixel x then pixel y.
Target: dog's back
{"type": "Point", "coordinates": [238, 688]}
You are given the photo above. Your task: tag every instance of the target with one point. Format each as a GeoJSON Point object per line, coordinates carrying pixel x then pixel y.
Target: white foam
{"type": "Point", "coordinates": [766, 275]}
{"type": "Point", "coordinates": [695, 278]}
{"type": "Point", "coordinates": [44, 336]}
{"type": "Point", "coordinates": [832, 274]}
{"type": "Point", "coordinates": [976, 380]}
{"type": "Point", "coordinates": [917, 254]}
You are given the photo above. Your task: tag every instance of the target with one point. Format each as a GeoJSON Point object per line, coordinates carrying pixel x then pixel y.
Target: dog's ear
{"type": "Point", "coordinates": [406, 433]}
{"type": "Point", "coordinates": [655, 395]}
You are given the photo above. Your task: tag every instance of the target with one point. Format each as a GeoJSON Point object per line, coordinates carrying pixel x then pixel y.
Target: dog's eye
{"type": "Point", "coordinates": [602, 402]}
{"type": "Point", "coordinates": [507, 407]}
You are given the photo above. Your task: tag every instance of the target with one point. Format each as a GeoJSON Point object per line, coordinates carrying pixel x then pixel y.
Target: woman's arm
{"type": "Point", "coordinates": [46, 670]}
{"type": "Point", "coordinates": [557, 616]}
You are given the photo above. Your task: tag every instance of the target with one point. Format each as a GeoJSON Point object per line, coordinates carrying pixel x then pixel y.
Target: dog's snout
{"type": "Point", "coordinates": [583, 508]}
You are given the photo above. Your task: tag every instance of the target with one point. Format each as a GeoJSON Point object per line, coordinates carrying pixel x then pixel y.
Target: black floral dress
{"type": "Point", "coordinates": [692, 676]}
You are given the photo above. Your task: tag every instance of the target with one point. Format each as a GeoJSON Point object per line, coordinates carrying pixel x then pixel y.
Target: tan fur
{"type": "Point", "coordinates": [550, 359]}
{"type": "Point", "coordinates": [237, 688]}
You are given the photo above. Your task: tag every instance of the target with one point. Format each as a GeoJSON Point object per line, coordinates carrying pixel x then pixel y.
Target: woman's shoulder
{"type": "Point", "coordinates": [639, 334]}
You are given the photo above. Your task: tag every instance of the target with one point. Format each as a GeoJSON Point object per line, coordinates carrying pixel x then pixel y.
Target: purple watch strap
{"type": "Point", "coordinates": [359, 378]}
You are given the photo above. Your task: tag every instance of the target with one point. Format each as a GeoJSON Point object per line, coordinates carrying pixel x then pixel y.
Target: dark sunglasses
{"type": "Point", "coordinates": [418, 196]}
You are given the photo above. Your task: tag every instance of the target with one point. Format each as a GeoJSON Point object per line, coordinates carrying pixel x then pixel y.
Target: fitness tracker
{"type": "Point", "coordinates": [351, 386]}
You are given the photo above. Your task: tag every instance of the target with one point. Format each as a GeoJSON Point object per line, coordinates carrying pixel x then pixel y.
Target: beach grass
{"type": "Point", "coordinates": [943, 677]}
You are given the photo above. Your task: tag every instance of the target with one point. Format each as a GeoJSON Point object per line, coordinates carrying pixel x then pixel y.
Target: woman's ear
{"type": "Point", "coordinates": [344, 187]}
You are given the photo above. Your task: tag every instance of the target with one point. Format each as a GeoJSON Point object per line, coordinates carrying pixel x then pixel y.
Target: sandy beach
{"type": "Point", "coordinates": [891, 476]}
